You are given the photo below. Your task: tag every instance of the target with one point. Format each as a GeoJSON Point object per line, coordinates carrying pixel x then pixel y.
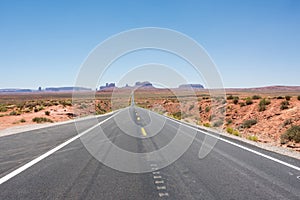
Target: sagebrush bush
{"type": "Point", "coordinates": [41, 120]}
{"type": "Point", "coordinates": [230, 97]}
{"type": "Point", "coordinates": [218, 123]}
{"type": "Point", "coordinates": [253, 138]}
{"type": "Point", "coordinates": [3, 108]}
{"type": "Point", "coordinates": [236, 132]}
{"type": "Point", "coordinates": [249, 101]}
{"type": "Point", "coordinates": [207, 109]}
{"type": "Point", "coordinates": [207, 125]}
{"type": "Point", "coordinates": [47, 113]}
{"type": "Point", "coordinates": [229, 130]}
{"type": "Point", "coordinates": [292, 134]}
{"type": "Point", "coordinates": [263, 104]}
{"type": "Point", "coordinates": [191, 107]}
{"type": "Point", "coordinates": [256, 97]}
{"type": "Point", "coordinates": [284, 105]}
{"type": "Point", "coordinates": [288, 98]}
{"type": "Point", "coordinates": [249, 123]}
{"type": "Point", "coordinates": [235, 101]}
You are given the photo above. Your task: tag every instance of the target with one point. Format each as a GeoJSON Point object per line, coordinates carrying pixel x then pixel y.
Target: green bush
{"type": "Point", "coordinates": [236, 132]}
{"type": "Point", "coordinates": [207, 109]}
{"type": "Point", "coordinates": [292, 134]}
{"type": "Point", "coordinates": [218, 123]}
{"type": "Point", "coordinates": [235, 101]}
{"type": "Point", "coordinates": [288, 98]}
{"type": "Point", "coordinates": [287, 122]}
{"type": "Point", "coordinates": [242, 104]}
{"type": "Point", "coordinates": [207, 125]}
{"type": "Point", "coordinates": [249, 123]}
{"type": "Point", "coordinates": [230, 97]}
{"type": "Point", "coordinates": [47, 113]}
{"type": "Point", "coordinates": [229, 121]}
{"type": "Point", "coordinates": [249, 101]}
{"type": "Point", "coordinates": [256, 97]}
{"type": "Point", "coordinates": [191, 107]}
{"type": "Point", "coordinates": [284, 105]}
{"type": "Point", "coordinates": [280, 97]}
{"type": "Point", "coordinates": [41, 120]}
{"type": "Point", "coordinates": [263, 104]}
{"type": "Point", "coordinates": [14, 113]}
{"type": "Point", "coordinates": [177, 115]}
{"type": "Point", "coordinates": [229, 130]}
{"type": "Point", "coordinates": [22, 120]}
{"type": "Point", "coordinates": [253, 138]}
{"type": "Point", "coordinates": [298, 97]}
{"type": "Point", "coordinates": [3, 108]}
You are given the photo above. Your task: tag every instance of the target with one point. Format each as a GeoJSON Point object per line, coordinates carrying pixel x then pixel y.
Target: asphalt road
{"type": "Point", "coordinates": [229, 171]}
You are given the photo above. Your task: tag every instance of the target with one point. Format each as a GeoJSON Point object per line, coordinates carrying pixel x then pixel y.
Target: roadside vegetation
{"type": "Point", "coordinates": [292, 134]}
{"type": "Point", "coordinates": [41, 120]}
{"type": "Point", "coordinates": [249, 123]}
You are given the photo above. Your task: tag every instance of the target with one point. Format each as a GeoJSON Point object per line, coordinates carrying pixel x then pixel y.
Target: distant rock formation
{"type": "Point", "coordinates": [191, 86]}
{"type": "Point", "coordinates": [146, 84]}
{"type": "Point", "coordinates": [108, 86]}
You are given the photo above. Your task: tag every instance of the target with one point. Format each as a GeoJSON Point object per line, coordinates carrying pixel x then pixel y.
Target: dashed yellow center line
{"type": "Point", "coordinates": [143, 132]}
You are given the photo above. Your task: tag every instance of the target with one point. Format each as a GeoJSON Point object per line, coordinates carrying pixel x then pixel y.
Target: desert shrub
{"type": "Point", "coordinates": [263, 104]}
{"type": "Point", "coordinates": [242, 104]}
{"type": "Point", "coordinates": [235, 100]}
{"type": "Point", "coordinates": [191, 107]}
{"type": "Point", "coordinates": [65, 103]}
{"type": "Point", "coordinates": [256, 97]}
{"type": "Point", "coordinates": [229, 121]}
{"type": "Point", "coordinates": [22, 120]}
{"type": "Point", "coordinates": [177, 115]}
{"type": "Point", "coordinates": [249, 123]}
{"type": "Point", "coordinates": [207, 125]}
{"type": "Point", "coordinates": [287, 122]}
{"type": "Point", "coordinates": [284, 105]}
{"type": "Point", "coordinates": [41, 120]}
{"type": "Point", "coordinates": [292, 134]}
{"type": "Point", "coordinates": [230, 97]}
{"type": "Point", "coordinates": [249, 101]}
{"type": "Point", "coordinates": [253, 138]}
{"type": "Point", "coordinates": [236, 132]}
{"type": "Point", "coordinates": [229, 130]}
{"type": "Point", "coordinates": [288, 98]}
{"type": "Point", "coordinates": [14, 113]}
{"type": "Point", "coordinates": [207, 109]}
{"type": "Point", "coordinates": [280, 97]}
{"type": "Point", "coordinates": [211, 117]}
{"type": "Point", "coordinates": [218, 123]}
{"type": "Point", "coordinates": [3, 108]}
{"type": "Point", "coordinates": [200, 109]}
{"type": "Point", "coordinates": [47, 113]}
{"type": "Point", "coordinates": [298, 97]}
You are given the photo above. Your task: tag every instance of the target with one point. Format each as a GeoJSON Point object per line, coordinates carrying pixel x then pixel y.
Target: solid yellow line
{"type": "Point", "coordinates": [143, 132]}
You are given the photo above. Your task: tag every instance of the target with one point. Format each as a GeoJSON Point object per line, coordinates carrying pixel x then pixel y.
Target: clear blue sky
{"type": "Point", "coordinates": [253, 43]}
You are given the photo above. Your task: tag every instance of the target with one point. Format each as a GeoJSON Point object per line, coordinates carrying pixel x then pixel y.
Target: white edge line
{"type": "Point", "coordinates": [45, 155]}
{"type": "Point", "coordinates": [234, 144]}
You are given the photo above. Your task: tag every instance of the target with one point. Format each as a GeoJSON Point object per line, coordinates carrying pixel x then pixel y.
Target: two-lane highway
{"type": "Point", "coordinates": [229, 171]}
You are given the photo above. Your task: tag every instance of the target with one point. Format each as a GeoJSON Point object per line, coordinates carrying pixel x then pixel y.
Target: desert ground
{"type": "Point", "coordinates": [267, 115]}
